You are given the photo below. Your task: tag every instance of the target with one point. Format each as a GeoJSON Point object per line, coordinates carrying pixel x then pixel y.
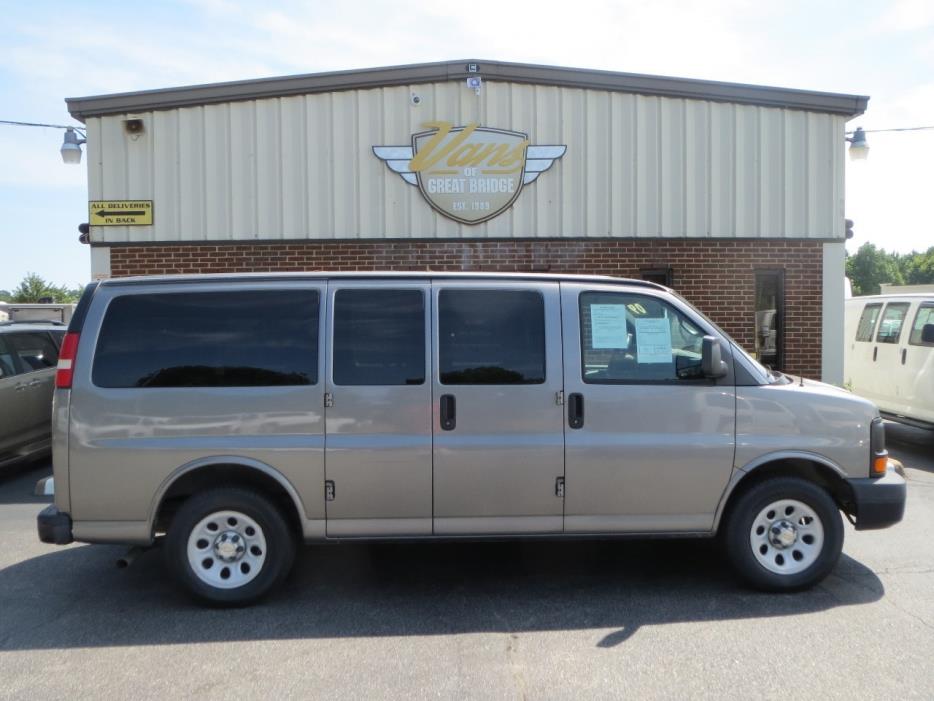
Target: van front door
{"type": "Point", "coordinates": [498, 436]}
{"type": "Point", "coordinates": [378, 410]}
{"type": "Point", "coordinates": [649, 439]}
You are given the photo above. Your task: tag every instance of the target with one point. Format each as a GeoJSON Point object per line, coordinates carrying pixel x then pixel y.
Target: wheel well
{"type": "Point", "coordinates": [225, 475]}
{"type": "Point", "coordinates": [808, 470]}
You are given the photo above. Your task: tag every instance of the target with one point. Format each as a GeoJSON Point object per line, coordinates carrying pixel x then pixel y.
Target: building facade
{"type": "Point", "coordinates": [731, 194]}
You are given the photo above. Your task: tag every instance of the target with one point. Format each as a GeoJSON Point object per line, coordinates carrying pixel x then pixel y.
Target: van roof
{"type": "Point", "coordinates": [896, 295]}
{"type": "Point", "coordinates": [376, 275]}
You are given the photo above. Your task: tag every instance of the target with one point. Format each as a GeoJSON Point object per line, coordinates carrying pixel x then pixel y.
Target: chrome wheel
{"type": "Point", "coordinates": [787, 537]}
{"type": "Point", "coordinates": [226, 549]}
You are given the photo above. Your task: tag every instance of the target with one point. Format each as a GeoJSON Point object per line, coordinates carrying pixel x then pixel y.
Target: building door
{"type": "Point", "coordinates": [378, 409]}
{"type": "Point", "coordinates": [498, 425]}
{"type": "Point", "coordinates": [649, 440]}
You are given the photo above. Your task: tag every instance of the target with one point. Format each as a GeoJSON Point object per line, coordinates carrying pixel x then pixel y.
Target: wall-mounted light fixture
{"type": "Point", "coordinates": [859, 149]}
{"type": "Point", "coordinates": [71, 145]}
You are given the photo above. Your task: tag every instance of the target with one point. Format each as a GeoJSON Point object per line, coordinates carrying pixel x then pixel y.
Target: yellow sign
{"type": "Point", "coordinates": [120, 213]}
{"type": "Point", "coordinates": [470, 173]}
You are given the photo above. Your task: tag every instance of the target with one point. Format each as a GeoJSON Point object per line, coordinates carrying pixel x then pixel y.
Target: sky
{"type": "Point", "coordinates": [54, 50]}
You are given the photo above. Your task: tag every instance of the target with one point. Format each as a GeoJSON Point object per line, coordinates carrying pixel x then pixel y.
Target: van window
{"type": "Point", "coordinates": [924, 316]}
{"type": "Point", "coordinates": [7, 366]}
{"type": "Point", "coordinates": [867, 322]}
{"type": "Point", "coordinates": [890, 328]}
{"type": "Point", "coordinates": [491, 337]}
{"type": "Point", "coordinates": [36, 350]}
{"type": "Point", "coordinates": [379, 337]}
{"type": "Point", "coordinates": [631, 339]}
{"type": "Point", "coordinates": [209, 339]}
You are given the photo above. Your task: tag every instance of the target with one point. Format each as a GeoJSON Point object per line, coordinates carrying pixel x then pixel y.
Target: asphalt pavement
{"type": "Point", "coordinates": [616, 619]}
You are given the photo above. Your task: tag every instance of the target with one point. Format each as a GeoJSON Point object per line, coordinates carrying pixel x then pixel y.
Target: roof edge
{"type": "Point", "coordinates": [413, 74]}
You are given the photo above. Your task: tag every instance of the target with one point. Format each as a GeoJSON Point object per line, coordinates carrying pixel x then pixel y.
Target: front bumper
{"type": "Point", "coordinates": [879, 502]}
{"type": "Point", "coordinates": [54, 526]}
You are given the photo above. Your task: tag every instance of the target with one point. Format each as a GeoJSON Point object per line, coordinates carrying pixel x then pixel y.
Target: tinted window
{"type": "Point", "coordinates": [379, 337]}
{"type": "Point", "coordinates": [491, 337]}
{"type": "Point", "coordinates": [924, 317]}
{"type": "Point", "coordinates": [632, 338]}
{"type": "Point", "coordinates": [890, 328]}
{"type": "Point", "coordinates": [7, 366]}
{"type": "Point", "coordinates": [867, 322]}
{"type": "Point", "coordinates": [209, 339]}
{"type": "Point", "coordinates": [36, 350]}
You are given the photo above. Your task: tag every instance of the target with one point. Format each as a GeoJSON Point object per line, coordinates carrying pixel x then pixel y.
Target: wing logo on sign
{"type": "Point", "coordinates": [470, 173]}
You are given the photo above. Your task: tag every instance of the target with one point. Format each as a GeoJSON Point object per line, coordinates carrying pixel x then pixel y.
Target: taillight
{"type": "Point", "coordinates": [66, 361]}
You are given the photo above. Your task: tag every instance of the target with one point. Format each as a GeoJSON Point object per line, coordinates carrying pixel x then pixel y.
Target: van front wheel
{"type": "Point", "coordinates": [784, 534]}
{"type": "Point", "coordinates": [229, 547]}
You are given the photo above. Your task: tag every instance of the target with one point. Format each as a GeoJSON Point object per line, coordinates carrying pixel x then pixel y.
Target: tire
{"type": "Point", "coordinates": [784, 534]}
{"type": "Point", "coordinates": [229, 547]}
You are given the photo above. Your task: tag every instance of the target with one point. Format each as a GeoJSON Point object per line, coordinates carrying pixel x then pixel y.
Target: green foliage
{"type": "Point", "coordinates": [869, 267]}
{"type": "Point", "coordinates": [5, 296]}
{"type": "Point", "coordinates": [33, 289]}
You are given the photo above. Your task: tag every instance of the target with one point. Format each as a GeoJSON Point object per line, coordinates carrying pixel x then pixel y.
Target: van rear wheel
{"type": "Point", "coordinates": [229, 547]}
{"type": "Point", "coordinates": [784, 534]}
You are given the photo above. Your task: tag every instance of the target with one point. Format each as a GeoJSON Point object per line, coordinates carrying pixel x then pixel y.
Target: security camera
{"type": "Point", "coordinates": [415, 99]}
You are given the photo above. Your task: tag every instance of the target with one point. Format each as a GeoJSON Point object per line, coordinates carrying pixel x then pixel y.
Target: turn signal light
{"type": "Point", "coordinates": [66, 361]}
{"type": "Point", "coordinates": [879, 465]}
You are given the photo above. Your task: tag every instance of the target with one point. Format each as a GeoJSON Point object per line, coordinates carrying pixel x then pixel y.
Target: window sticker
{"type": "Point", "coordinates": [608, 326]}
{"type": "Point", "coordinates": [653, 341]}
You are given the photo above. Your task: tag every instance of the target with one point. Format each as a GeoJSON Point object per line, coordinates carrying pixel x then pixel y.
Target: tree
{"type": "Point", "coordinates": [872, 266]}
{"type": "Point", "coordinates": [919, 268]}
{"type": "Point", "coordinates": [33, 289]}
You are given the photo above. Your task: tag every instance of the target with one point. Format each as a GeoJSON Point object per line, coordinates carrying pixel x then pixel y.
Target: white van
{"type": "Point", "coordinates": [889, 356]}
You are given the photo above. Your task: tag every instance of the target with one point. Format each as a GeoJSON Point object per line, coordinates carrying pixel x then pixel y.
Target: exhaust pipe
{"type": "Point", "coordinates": [130, 556]}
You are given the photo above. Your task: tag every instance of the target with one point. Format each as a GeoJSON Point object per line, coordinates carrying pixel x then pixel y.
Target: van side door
{"type": "Point", "coordinates": [649, 441]}
{"type": "Point", "coordinates": [498, 437]}
{"type": "Point", "coordinates": [917, 371]}
{"type": "Point", "coordinates": [887, 357]}
{"type": "Point", "coordinates": [378, 409]}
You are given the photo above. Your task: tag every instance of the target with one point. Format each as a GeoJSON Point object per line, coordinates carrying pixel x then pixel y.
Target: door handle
{"type": "Point", "coordinates": [35, 383]}
{"type": "Point", "coordinates": [875, 352]}
{"type": "Point", "coordinates": [904, 355]}
{"type": "Point", "coordinates": [448, 412]}
{"type": "Point", "coordinates": [20, 387]}
{"type": "Point", "coordinates": [576, 410]}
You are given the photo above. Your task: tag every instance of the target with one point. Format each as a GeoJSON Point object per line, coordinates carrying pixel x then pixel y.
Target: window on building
{"type": "Point", "coordinates": [867, 322]}
{"type": "Point", "coordinates": [630, 339]}
{"type": "Point", "coordinates": [662, 276]}
{"type": "Point", "coordinates": [491, 337]}
{"type": "Point", "coordinates": [770, 318]}
{"type": "Point", "coordinates": [924, 317]}
{"type": "Point", "coordinates": [379, 337]}
{"type": "Point", "coordinates": [209, 339]}
{"type": "Point", "coordinates": [890, 328]}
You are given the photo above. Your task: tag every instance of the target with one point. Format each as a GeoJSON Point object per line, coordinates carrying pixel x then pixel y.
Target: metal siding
{"type": "Point", "coordinates": [302, 167]}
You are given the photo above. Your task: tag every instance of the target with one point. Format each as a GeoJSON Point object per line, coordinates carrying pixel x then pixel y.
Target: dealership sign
{"type": "Point", "coordinates": [470, 173]}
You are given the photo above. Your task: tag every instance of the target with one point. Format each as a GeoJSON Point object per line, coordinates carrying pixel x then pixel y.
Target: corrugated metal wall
{"type": "Point", "coordinates": [303, 167]}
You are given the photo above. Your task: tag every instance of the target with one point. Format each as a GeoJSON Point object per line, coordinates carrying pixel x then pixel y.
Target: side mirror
{"type": "Point", "coordinates": [711, 362]}
{"type": "Point", "coordinates": [927, 333]}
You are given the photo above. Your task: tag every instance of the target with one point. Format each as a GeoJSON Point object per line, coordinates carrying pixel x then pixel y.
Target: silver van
{"type": "Point", "coordinates": [232, 417]}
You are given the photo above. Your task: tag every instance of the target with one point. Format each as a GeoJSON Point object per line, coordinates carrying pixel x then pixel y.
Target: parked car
{"type": "Point", "coordinates": [889, 354]}
{"type": "Point", "coordinates": [233, 416]}
{"type": "Point", "coordinates": [28, 357]}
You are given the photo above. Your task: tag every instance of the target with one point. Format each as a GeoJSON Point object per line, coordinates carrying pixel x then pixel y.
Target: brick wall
{"type": "Point", "coordinates": [716, 276]}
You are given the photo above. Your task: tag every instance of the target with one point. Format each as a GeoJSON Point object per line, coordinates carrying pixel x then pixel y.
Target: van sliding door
{"type": "Point", "coordinates": [498, 424]}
